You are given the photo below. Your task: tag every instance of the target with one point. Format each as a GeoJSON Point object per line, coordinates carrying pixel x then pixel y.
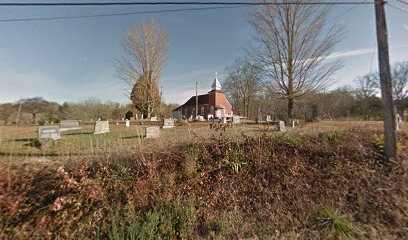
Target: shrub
{"type": "Point", "coordinates": [175, 220]}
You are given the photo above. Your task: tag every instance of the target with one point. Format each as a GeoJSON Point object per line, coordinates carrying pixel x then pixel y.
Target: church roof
{"type": "Point", "coordinates": [202, 99]}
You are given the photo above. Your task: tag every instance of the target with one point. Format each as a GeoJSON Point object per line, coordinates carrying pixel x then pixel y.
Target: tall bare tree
{"type": "Point", "coordinates": [145, 49]}
{"type": "Point", "coordinates": [295, 41]}
{"type": "Point", "coordinates": [242, 84]}
{"type": "Point", "coordinates": [399, 74]}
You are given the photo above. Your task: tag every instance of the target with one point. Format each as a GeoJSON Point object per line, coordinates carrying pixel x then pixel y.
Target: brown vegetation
{"type": "Point", "coordinates": [310, 185]}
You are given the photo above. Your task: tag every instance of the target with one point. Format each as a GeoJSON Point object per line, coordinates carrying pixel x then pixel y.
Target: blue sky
{"type": "Point", "coordinates": [72, 60]}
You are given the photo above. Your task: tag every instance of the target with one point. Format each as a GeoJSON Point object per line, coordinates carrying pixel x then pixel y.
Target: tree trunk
{"type": "Point", "coordinates": [290, 108]}
{"type": "Point", "coordinates": [34, 117]}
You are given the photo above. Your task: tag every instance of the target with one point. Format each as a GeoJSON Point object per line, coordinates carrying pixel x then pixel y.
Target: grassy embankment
{"type": "Point", "coordinates": [320, 181]}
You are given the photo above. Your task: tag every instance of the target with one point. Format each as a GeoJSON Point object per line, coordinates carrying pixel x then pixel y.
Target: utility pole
{"type": "Point", "coordinates": [160, 106]}
{"type": "Point", "coordinates": [196, 111]}
{"type": "Point", "coordinates": [390, 130]}
{"type": "Point", "coordinates": [19, 110]}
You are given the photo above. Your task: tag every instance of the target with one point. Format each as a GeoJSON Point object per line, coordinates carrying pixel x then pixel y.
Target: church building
{"type": "Point", "coordinates": [211, 105]}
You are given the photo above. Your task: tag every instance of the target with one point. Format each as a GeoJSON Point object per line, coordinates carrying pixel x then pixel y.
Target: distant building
{"type": "Point", "coordinates": [214, 104]}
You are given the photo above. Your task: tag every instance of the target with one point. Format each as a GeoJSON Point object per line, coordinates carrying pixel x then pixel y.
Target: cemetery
{"type": "Point", "coordinates": [149, 144]}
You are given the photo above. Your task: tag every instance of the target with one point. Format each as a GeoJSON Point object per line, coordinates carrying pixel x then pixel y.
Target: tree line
{"type": "Point", "coordinates": [37, 110]}
{"type": "Point", "coordinates": [252, 95]}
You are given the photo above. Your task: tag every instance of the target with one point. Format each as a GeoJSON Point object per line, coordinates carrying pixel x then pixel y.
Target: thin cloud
{"type": "Point", "coordinates": [353, 53]}
{"type": "Point", "coordinates": [405, 27]}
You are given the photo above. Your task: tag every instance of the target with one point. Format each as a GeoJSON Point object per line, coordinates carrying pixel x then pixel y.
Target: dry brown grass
{"type": "Point", "coordinates": [278, 192]}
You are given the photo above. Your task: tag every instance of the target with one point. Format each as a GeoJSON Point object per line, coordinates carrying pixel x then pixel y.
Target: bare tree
{"type": "Point", "coordinates": [399, 75]}
{"type": "Point", "coordinates": [145, 54]}
{"type": "Point", "coordinates": [367, 86]}
{"type": "Point", "coordinates": [400, 86]}
{"type": "Point", "coordinates": [295, 41]}
{"type": "Point", "coordinates": [242, 84]}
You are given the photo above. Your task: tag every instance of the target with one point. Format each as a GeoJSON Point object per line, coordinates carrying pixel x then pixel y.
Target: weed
{"type": "Point", "coordinates": [330, 218]}
{"type": "Point", "coordinates": [235, 158]}
{"type": "Point", "coordinates": [175, 220]}
{"type": "Point", "coordinates": [379, 142]}
{"type": "Point", "coordinates": [191, 157]}
{"type": "Point", "coordinates": [124, 173]}
{"type": "Point", "coordinates": [333, 136]}
{"type": "Point", "coordinates": [293, 141]}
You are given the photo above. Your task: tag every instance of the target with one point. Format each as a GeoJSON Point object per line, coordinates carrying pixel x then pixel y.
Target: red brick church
{"type": "Point", "coordinates": [214, 104]}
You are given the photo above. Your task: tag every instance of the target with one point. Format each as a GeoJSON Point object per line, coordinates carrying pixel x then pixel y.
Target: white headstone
{"type": "Point", "coordinates": [399, 122]}
{"type": "Point", "coordinates": [236, 119]}
{"type": "Point", "coordinates": [152, 132]}
{"type": "Point", "coordinates": [101, 127]}
{"type": "Point", "coordinates": [268, 118]}
{"type": "Point", "coordinates": [281, 126]}
{"type": "Point", "coordinates": [201, 118]}
{"type": "Point", "coordinates": [168, 123]}
{"type": "Point", "coordinates": [52, 132]}
{"type": "Point", "coordinates": [153, 119]}
{"type": "Point", "coordinates": [69, 123]}
{"type": "Point", "coordinates": [127, 123]}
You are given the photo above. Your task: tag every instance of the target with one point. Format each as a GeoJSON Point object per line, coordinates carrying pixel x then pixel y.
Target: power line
{"type": "Point", "coordinates": [76, 4]}
{"type": "Point", "coordinates": [114, 14]}
{"type": "Point", "coordinates": [347, 11]}
{"type": "Point", "coordinates": [402, 2]}
{"type": "Point", "coordinates": [399, 8]}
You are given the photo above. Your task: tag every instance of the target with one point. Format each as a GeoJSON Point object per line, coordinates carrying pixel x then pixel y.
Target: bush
{"type": "Point", "coordinates": [175, 220]}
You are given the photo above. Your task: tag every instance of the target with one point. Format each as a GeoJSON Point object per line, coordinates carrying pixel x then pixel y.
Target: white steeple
{"type": "Point", "coordinates": [216, 84]}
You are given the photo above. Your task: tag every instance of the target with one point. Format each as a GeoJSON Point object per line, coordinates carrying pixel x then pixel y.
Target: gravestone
{"type": "Point", "coordinates": [69, 125]}
{"type": "Point", "coordinates": [314, 111]}
{"type": "Point", "coordinates": [52, 132]}
{"type": "Point", "coordinates": [268, 118]}
{"type": "Point", "coordinates": [168, 123]}
{"type": "Point", "coordinates": [153, 119]}
{"type": "Point", "coordinates": [294, 123]}
{"type": "Point", "coordinates": [152, 132]}
{"type": "Point", "coordinates": [201, 118]}
{"type": "Point", "coordinates": [399, 122]}
{"type": "Point", "coordinates": [281, 126]}
{"type": "Point", "coordinates": [127, 123]}
{"type": "Point", "coordinates": [101, 127]}
{"type": "Point", "coordinates": [236, 119]}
